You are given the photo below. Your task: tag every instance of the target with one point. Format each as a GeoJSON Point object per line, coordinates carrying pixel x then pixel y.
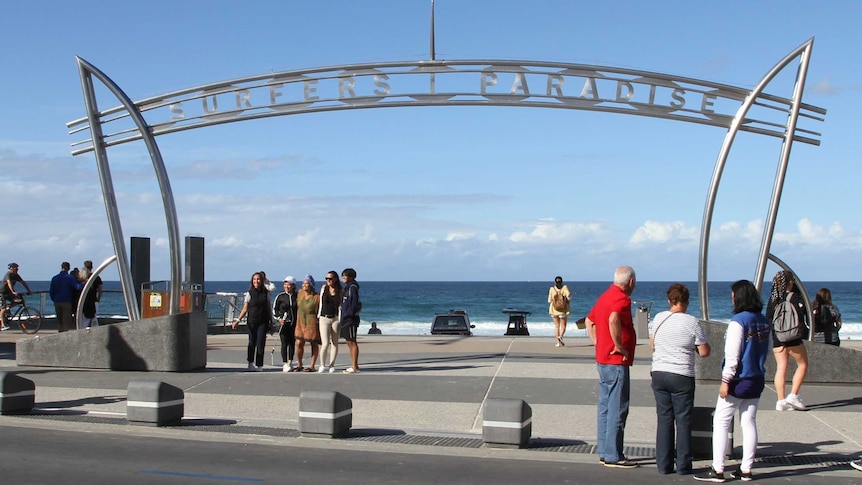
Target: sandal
{"type": "Point", "coordinates": [296, 369]}
{"type": "Point", "coordinates": [308, 369]}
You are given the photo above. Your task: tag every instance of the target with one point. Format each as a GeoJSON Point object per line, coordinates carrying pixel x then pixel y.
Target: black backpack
{"type": "Point", "coordinates": [825, 320]}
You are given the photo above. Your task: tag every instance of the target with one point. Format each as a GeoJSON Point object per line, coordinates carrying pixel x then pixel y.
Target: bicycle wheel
{"type": "Point", "coordinates": [29, 319]}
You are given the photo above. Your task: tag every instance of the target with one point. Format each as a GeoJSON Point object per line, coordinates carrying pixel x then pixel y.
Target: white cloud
{"type": "Point", "coordinates": [657, 232]}
{"type": "Point", "coordinates": [228, 242]}
{"type": "Point", "coordinates": [459, 236]}
{"type": "Point", "coordinates": [825, 87]}
{"type": "Point", "coordinates": [550, 231]}
{"type": "Point", "coordinates": [390, 236]}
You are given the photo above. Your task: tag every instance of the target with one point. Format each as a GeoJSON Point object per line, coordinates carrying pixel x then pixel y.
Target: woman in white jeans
{"type": "Point", "coordinates": [747, 343]}
{"type": "Point", "coordinates": [329, 318]}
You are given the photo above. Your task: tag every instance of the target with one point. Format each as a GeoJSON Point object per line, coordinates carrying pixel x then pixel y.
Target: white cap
{"type": "Point", "coordinates": [290, 279]}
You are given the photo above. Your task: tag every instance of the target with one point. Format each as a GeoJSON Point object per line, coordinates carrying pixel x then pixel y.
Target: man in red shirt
{"type": "Point", "coordinates": [611, 328]}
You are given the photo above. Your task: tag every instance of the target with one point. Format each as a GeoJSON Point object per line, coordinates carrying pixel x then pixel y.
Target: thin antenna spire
{"type": "Point", "coordinates": [432, 31]}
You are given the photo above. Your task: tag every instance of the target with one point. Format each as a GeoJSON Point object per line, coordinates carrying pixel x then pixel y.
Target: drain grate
{"type": "Point", "coordinates": [826, 461]}
{"type": "Point", "coordinates": [407, 439]}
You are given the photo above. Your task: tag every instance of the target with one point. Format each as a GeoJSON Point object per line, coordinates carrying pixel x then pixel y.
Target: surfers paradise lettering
{"type": "Point", "coordinates": [486, 86]}
{"type": "Point", "coordinates": [456, 83]}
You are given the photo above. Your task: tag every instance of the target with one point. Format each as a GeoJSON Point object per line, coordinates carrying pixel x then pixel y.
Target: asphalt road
{"type": "Point", "coordinates": [38, 456]}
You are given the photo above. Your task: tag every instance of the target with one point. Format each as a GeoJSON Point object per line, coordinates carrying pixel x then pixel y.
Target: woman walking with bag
{"type": "Point", "coordinates": [559, 298]}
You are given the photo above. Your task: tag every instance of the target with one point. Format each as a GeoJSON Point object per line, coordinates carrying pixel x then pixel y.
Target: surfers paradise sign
{"type": "Point", "coordinates": [457, 83]}
{"type": "Point", "coordinates": [447, 83]}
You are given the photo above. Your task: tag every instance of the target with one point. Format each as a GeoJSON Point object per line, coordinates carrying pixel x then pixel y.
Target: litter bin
{"type": "Point", "coordinates": [701, 434]}
{"type": "Point", "coordinates": [642, 315]}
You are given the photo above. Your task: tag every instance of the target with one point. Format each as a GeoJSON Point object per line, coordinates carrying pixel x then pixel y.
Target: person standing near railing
{"type": "Point", "coordinates": [91, 299]}
{"type": "Point", "coordinates": [63, 289]}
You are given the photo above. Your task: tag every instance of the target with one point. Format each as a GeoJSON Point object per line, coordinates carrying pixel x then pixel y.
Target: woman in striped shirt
{"type": "Point", "coordinates": [675, 338]}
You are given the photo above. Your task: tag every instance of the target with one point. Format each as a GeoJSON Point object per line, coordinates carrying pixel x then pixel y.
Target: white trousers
{"type": "Point", "coordinates": [329, 330]}
{"type": "Point", "coordinates": [724, 410]}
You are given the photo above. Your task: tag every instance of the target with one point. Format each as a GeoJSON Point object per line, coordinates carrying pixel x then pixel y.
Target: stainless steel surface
{"type": "Point", "coordinates": [79, 311]}
{"type": "Point", "coordinates": [494, 83]}
{"type": "Point", "coordinates": [108, 193]}
{"type": "Point", "coordinates": [164, 186]}
{"type": "Point", "coordinates": [741, 117]}
{"type": "Point", "coordinates": [467, 83]}
{"type": "Point", "coordinates": [781, 170]}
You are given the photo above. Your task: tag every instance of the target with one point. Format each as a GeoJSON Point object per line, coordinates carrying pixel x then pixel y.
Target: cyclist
{"type": "Point", "coordinates": [9, 293]}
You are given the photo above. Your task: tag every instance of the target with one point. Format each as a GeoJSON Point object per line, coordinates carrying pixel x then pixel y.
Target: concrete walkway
{"type": "Point", "coordinates": [436, 386]}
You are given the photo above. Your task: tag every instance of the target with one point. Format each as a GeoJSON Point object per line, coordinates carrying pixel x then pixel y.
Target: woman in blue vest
{"type": "Point", "coordinates": [746, 346]}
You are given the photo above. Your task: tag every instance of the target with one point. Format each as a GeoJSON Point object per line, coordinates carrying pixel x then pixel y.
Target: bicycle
{"type": "Point", "coordinates": [28, 318]}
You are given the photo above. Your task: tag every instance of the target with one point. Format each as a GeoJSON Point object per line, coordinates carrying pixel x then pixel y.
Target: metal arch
{"type": "Point", "coordinates": [804, 51]}
{"type": "Point", "coordinates": [519, 96]}
{"type": "Point", "coordinates": [86, 71]}
{"type": "Point", "coordinates": [241, 94]}
{"type": "Point", "coordinates": [79, 311]}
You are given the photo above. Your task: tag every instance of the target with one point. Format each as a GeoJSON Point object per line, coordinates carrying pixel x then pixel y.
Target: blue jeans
{"type": "Point", "coordinates": [613, 409]}
{"type": "Point", "coordinates": [674, 401]}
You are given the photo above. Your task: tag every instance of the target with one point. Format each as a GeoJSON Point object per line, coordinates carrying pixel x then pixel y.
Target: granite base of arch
{"type": "Point", "coordinates": [826, 363]}
{"type": "Point", "coordinates": [171, 343]}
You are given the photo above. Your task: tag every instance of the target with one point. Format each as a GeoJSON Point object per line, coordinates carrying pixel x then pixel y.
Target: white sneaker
{"type": "Point", "coordinates": [285, 368]}
{"type": "Point", "coordinates": [251, 366]}
{"type": "Point", "coordinates": [782, 405]}
{"type": "Point", "coordinates": [322, 369]}
{"type": "Point", "coordinates": [5, 327]}
{"type": "Point", "coordinates": [258, 369]}
{"type": "Point", "coordinates": [795, 402]}
{"type": "Point", "coordinates": [332, 370]}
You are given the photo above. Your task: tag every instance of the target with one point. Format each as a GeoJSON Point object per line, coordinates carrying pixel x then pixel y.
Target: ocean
{"type": "Point", "coordinates": [408, 307]}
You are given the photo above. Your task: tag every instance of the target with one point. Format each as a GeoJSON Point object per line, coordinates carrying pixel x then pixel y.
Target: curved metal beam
{"type": "Point", "coordinates": [802, 290]}
{"type": "Point", "coordinates": [706, 224]}
{"type": "Point", "coordinates": [79, 311]}
{"type": "Point", "coordinates": [783, 162]}
{"type": "Point", "coordinates": [86, 69]}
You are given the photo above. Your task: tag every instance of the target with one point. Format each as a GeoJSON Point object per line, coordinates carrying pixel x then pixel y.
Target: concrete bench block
{"type": "Point", "coordinates": [701, 434]}
{"type": "Point", "coordinates": [507, 423]}
{"type": "Point", "coordinates": [325, 414]}
{"type": "Point", "coordinates": [154, 403]}
{"type": "Point", "coordinates": [17, 394]}
{"type": "Point", "coordinates": [171, 343]}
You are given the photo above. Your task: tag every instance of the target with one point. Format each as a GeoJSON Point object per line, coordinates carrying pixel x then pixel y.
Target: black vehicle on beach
{"type": "Point", "coordinates": [454, 322]}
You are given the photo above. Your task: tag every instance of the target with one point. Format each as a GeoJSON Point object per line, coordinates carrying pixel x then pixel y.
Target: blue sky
{"type": "Point", "coordinates": [435, 193]}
